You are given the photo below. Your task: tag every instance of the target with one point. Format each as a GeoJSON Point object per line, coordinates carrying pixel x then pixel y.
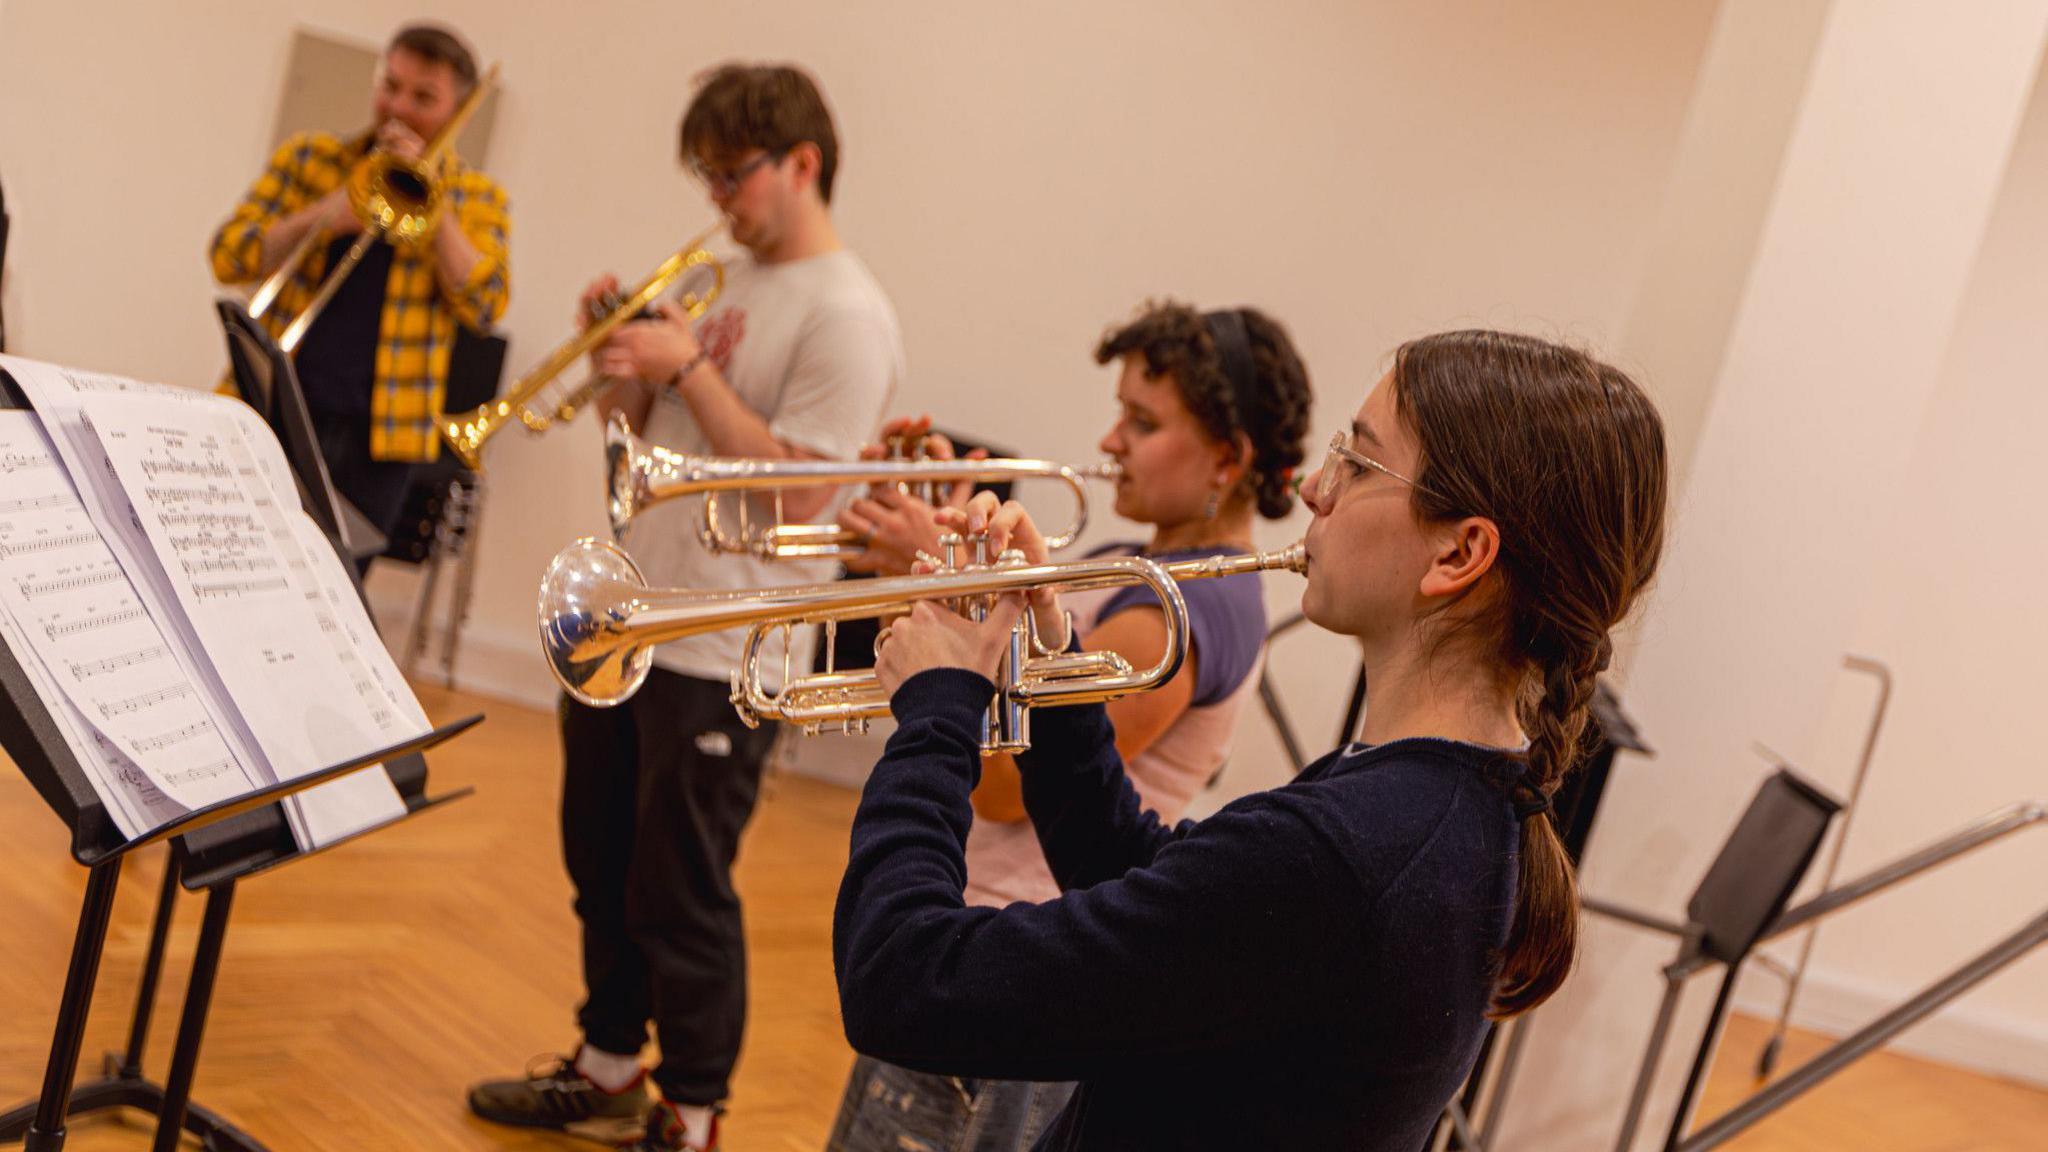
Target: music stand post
{"type": "Point", "coordinates": [212, 849]}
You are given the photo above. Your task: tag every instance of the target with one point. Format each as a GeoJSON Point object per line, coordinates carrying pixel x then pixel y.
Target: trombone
{"type": "Point", "coordinates": [640, 474]}
{"type": "Point", "coordinates": [466, 433]}
{"type": "Point", "coordinates": [600, 623]}
{"type": "Point", "coordinates": [396, 200]}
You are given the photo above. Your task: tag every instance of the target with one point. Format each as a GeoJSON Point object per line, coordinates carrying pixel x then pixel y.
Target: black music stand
{"type": "Point", "coordinates": [3, 268]}
{"type": "Point", "coordinates": [266, 381]}
{"type": "Point", "coordinates": [212, 849]}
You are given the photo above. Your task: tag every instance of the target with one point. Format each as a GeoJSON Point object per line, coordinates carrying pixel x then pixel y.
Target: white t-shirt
{"type": "Point", "coordinates": [812, 345]}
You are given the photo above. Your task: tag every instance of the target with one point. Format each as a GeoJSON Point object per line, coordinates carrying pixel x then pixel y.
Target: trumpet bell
{"type": "Point", "coordinates": [586, 596]}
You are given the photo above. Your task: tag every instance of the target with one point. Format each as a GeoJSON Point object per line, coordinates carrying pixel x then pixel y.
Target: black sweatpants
{"type": "Point", "coordinates": [655, 794]}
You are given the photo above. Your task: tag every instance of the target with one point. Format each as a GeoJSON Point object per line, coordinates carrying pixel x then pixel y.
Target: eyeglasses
{"type": "Point", "coordinates": [726, 181]}
{"type": "Point", "coordinates": [1342, 464]}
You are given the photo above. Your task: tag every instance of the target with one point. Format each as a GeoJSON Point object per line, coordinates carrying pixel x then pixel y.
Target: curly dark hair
{"type": "Point", "coordinates": [1176, 342]}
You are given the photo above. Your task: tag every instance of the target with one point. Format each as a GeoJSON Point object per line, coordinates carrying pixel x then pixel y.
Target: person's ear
{"type": "Point", "coordinates": [1463, 552]}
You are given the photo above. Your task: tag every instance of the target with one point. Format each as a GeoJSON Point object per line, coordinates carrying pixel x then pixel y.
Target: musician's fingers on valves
{"type": "Point", "coordinates": [933, 636]}
{"type": "Point", "coordinates": [592, 305]}
{"type": "Point", "coordinates": [654, 350]}
{"type": "Point", "coordinates": [1007, 522]}
{"type": "Point", "coordinates": [894, 432]}
{"type": "Point", "coordinates": [1009, 525]}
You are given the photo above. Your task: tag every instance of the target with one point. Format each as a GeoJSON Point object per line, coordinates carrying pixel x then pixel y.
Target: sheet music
{"type": "Point", "coordinates": [57, 394]}
{"type": "Point", "coordinates": [79, 615]}
{"type": "Point", "coordinates": [133, 802]}
{"type": "Point", "coordinates": [358, 647]}
{"type": "Point", "coordinates": [229, 552]}
{"type": "Point", "coordinates": [60, 396]}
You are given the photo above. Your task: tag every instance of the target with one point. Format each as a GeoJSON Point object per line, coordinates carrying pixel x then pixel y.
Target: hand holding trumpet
{"type": "Point", "coordinates": [930, 636]}
{"type": "Point", "coordinates": [895, 524]}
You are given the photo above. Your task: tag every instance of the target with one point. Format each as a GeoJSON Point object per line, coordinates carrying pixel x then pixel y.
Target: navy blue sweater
{"type": "Point", "coordinates": [1308, 968]}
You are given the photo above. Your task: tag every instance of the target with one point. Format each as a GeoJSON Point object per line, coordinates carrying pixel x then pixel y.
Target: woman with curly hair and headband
{"type": "Point", "coordinates": [1212, 415]}
{"type": "Point", "coordinates": [1313, 966]}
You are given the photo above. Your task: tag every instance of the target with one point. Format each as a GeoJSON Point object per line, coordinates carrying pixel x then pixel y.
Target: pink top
{"type": "Point", "coordinates": [1004, 862]}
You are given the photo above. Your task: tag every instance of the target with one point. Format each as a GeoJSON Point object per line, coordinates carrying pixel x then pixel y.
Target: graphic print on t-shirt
{"type": "Point", "coordinates": [720, 335]}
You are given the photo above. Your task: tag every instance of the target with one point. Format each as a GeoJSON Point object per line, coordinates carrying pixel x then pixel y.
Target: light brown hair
{"type": "Point", "coordinates": [1566, 456]}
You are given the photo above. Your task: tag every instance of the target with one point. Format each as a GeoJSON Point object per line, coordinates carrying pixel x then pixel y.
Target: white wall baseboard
{"type": "Point", "coordinates": [1961, 1034]}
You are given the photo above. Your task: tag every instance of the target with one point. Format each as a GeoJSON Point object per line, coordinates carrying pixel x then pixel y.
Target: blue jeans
{"type": "Point", "coordinates": [891, 1109]}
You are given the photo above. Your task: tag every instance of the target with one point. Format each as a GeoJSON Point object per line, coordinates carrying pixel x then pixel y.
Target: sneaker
{"type": "Point", "coordinates": [664, 1133]}
{"type": "Point", "coordinates": [555, 1095]}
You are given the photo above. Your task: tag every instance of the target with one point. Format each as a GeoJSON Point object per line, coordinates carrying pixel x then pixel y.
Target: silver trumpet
{"type": "Point", "coordinates": [640, 474]}
{"type": "Point", "coordinates": [600, 623]}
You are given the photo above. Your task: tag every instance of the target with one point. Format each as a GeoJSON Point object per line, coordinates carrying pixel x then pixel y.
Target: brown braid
{"type": "Point", "coordinates": [1566, 456]}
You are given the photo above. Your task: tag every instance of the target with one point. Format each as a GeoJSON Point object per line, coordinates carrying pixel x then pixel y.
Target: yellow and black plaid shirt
{"type": "Point", "coordinates": [417, 331]}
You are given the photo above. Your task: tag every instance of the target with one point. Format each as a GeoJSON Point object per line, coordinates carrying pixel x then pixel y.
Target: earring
{"type": "Point", "coordinates": [1216, 496]}
{"type": "Point", "coordinates": [1209, 509]}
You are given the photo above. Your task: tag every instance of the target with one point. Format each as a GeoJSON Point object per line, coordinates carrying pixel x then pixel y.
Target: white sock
{"type": "Point", "coordinates": [696, 1120]}
{"type": "Point", "coordinates": [608, 1070]}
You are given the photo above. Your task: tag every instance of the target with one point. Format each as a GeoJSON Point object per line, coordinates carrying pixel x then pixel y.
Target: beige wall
{"type": "Point", "coordinates": [1950, 610]}
{"type": "Point", "coordinates": [1827, 379]}
{"type": "Point", "coordinates": [1019, 176]}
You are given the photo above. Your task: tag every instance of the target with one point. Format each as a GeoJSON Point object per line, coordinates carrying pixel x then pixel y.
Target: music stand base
{"type": "Point", "coordinates": [124, 1089]}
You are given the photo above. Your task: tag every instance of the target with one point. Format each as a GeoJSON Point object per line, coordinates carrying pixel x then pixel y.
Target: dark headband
{"type": "Point", "coordinates": [1234, 345]}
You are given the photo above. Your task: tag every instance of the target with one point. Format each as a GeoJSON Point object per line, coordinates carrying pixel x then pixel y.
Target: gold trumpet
{"type": "Point", "coordinates": [599, 624]}
{"type": "Point", "coordinates": [640, 474]}
{"type": "Point", "coordinates": [395, 200]}
{"type": "Point", "coordinates": [466, 433]}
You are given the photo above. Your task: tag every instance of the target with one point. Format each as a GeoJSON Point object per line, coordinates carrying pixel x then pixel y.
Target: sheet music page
{"type": "Point", "coordinates": [346, 623]}
{"type": "Point", "coordinates": [57, 394]}
{"type": "Point", "coordinates": [78, 614]}
{"type": "Point", "coordinates": [134, 804]}
{"type": "Point", "coordinates": [229, 552]}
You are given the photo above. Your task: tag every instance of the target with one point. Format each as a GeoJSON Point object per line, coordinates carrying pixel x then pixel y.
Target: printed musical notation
{"type": "Point", "coordinates": [198, 502]}
{"type": "Point", "coordinates": [201, 773]}
{"type": "Point", "coordinates": [146, 700]}
{"type": "Point", "coordinates": [86, 670]}
{"type": "Point", "coordinates": [39, 544]}
{"type": "Point", "coordinates": [149, 744]}
{"type": "Point", "coordinates": [57, 630]}
{"type": "Point", "coordinates": [232, 522]}
{"type": "Point", "coordinates": [197, 469]}
{"type": "Point", "coordinates": [58, 585]}
{"type": "Point", "coordinates": [235, 589]}
{"type": "Point", "coordinates": [246, 565]}
{"type": "Point", "coordinates": [12, 462]}
{"type": "Point", "coordinates": [212, 495]}
{"type": "Point", "coordinates": [111, 672]}
{"type": "Point", "coordinates": [31, 504]}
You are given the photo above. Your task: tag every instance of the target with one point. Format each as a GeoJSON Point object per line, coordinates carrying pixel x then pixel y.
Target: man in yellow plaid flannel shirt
{"type": "Point", "coordinates": [374, 366]}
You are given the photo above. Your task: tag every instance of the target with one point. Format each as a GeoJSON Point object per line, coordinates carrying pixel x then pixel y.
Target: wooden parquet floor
{"type": "Point", "coordinates": [364, 989]}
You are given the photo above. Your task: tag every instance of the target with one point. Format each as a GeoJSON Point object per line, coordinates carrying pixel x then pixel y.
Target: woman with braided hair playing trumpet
{"type": "Point", "coordinates": [1314, 966]}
